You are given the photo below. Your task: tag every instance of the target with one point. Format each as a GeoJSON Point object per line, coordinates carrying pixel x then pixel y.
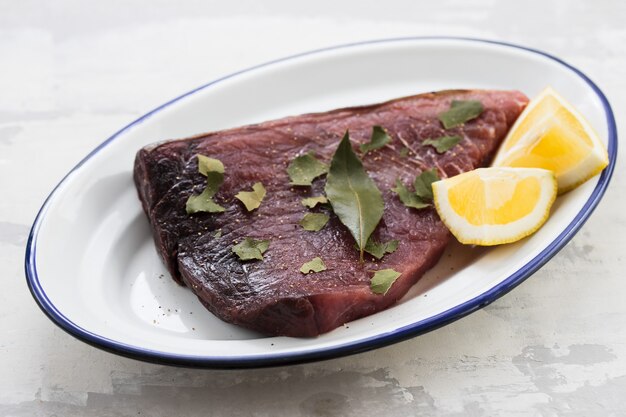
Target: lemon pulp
{"type": "Point", "coordinates": [490, 206]}
{"type": "Point", "coordinates": [551, 134]}
{"type": "Point", "coordinates": [494, 200]}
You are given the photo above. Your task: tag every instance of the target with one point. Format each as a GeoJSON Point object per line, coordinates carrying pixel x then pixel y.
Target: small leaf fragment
{"type": "Point", "coordinates": [218, 234]}
{"type": "Point", "coordinates": [250, 249]}
{"type": "Point", "coordinates": [305, 168]}
{"type": "Point", "coordinates": [423, 194]}
{"type": "Point", "coordinates": [379, 249]}
{"type": "Point", "coordinates": [378, 139]}
{"type": "Point", "coordinates": [314, 222]}
{"type": "Point", "coordinates": [213, 170]}
{"type": "Point", "coordinates": [354, 196]}
{"type": "Point", "coordinates": [206, 164]}
{"type": "Point", "coordinates": [252, 199]}
{"type": "Point", "coordinates": [311, 202]}
{"type": "Point", "coordinates": [407, 197]}
{"type": "Point", "coordinates": [214, 181]}
{"type": "Point", "coordinates": [203, 202]}
{"type": "Point", "coordinates": [424, 184]}
{"type": "Point", "coordinates": [444, 143]}
{"type": "Point", "coordinates": [383, 280]}
{"type": "Point", "coordinates": [314, 265]}
{"type": "Point", "coordinates": [404, 152]}
{"type": "Point", "coordinates": [461, 111]}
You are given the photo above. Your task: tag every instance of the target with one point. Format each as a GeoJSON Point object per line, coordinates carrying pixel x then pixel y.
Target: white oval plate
{"type": "Point", "coordinates": [93, 269]}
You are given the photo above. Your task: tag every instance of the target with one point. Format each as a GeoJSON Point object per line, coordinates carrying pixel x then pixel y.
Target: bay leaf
{"type": "Point", "coordinates": [408, 198]}
{"type": "Point", "coordinates": [423, 184]}
{"type": "Point", "coordinates": [249, 249]}
{"type": "Point", "coordinates": [203, 202]}
{"type": "Point", "coordinates": [214, 180]}
{"type": "Point", "coordinates": [314, 222]}
{"type": "Point", "coordinates": [379, 249]}
{"type": "Point", "coordinates": [314, 265]}
{"type": "Point", "coordinates": [383, 280]}
{"type": "Point", "coordinates": [206, 164]}
{"type": "Point", "coordinates": [378, 139]}
{"type": "Point", "coordinates": [311, 202]}
{"type": "Point", "coordinates": [354, 196]}
{"type": "Point", "coordinates": [461, 111]}
{"type": "Point", "coordinates": [443, 143]}
{"type": "Point", "coordinates": [252, 199]}
{"type": "Point", "coordinates": [305, 168]}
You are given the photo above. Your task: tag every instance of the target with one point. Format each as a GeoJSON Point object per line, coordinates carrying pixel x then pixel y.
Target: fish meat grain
{"type": "Point", "coordinates": [271, 295]}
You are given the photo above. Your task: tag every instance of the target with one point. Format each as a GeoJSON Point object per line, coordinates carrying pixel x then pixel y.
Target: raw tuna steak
{"type": "Point", "coordinates": [272, 296]}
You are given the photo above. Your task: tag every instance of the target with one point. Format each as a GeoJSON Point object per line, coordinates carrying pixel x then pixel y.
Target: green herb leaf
{"type": "Point", "coordinates": [218, 234]}
{"type": "Point", "coordinates": [204, 201]}
{"type": "Point", "coordinates": [206, 164]}
{"type": "Point", "coordinates": [213, 170]}
{"type": "Point", "coordinates": [460, 112]}
{"type": "Point", "coordinates": [383, 280]}
{"type": "Point", "coordinates": [443, 143]}
{"type": "Point", "coordinates": [314, 265]}
{"type": "Point", "coordinates": [214, 181]}
{"type": "Point", "coordinates": [424, 184]}
{"type": "Point", "coordinates": [250, 249]}
{"type": "Point", "coordinates": [252, 199]}
{"type": "Point", "coordinates": [314, 222]}
{"type": "Point", "coordinates": [305, 168]}
{"type": "Point", "coordinates": [355, 198]}
{"type": "Point", "coordinates": [407, 197]}
{"type": "Point", "coordinates": [379, 139]}
{"type": "Point", "coordinates": [404, 152]}
{"type": "Point", "coordinates": [379, 249]}
{"type": "Point", "coordinates": [311, 202]}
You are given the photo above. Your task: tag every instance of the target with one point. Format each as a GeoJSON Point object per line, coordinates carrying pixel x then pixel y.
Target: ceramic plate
{"type": "Point", "coordinates": [93, 269]}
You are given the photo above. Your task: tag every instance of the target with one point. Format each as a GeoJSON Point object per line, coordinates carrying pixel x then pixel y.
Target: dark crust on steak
{"type": "Point", "coordinates": [272, 296]}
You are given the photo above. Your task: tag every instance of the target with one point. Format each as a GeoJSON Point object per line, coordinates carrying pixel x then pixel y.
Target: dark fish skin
{"type": "Point", "coordinates": [272, 296]}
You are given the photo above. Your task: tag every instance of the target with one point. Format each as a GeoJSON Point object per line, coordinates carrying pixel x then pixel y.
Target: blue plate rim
{"type": "Point", "coordinates": [403, 333]}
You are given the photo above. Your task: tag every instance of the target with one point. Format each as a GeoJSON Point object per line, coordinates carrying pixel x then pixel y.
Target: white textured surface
{"type": "Point", "coordinates": [73, 72]}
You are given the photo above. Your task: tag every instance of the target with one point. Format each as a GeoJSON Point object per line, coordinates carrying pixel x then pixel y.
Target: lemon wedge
{"type": "Point", "coordinates": [491, 206]}
{"type": "Point", "coordinates": [551, 134]}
